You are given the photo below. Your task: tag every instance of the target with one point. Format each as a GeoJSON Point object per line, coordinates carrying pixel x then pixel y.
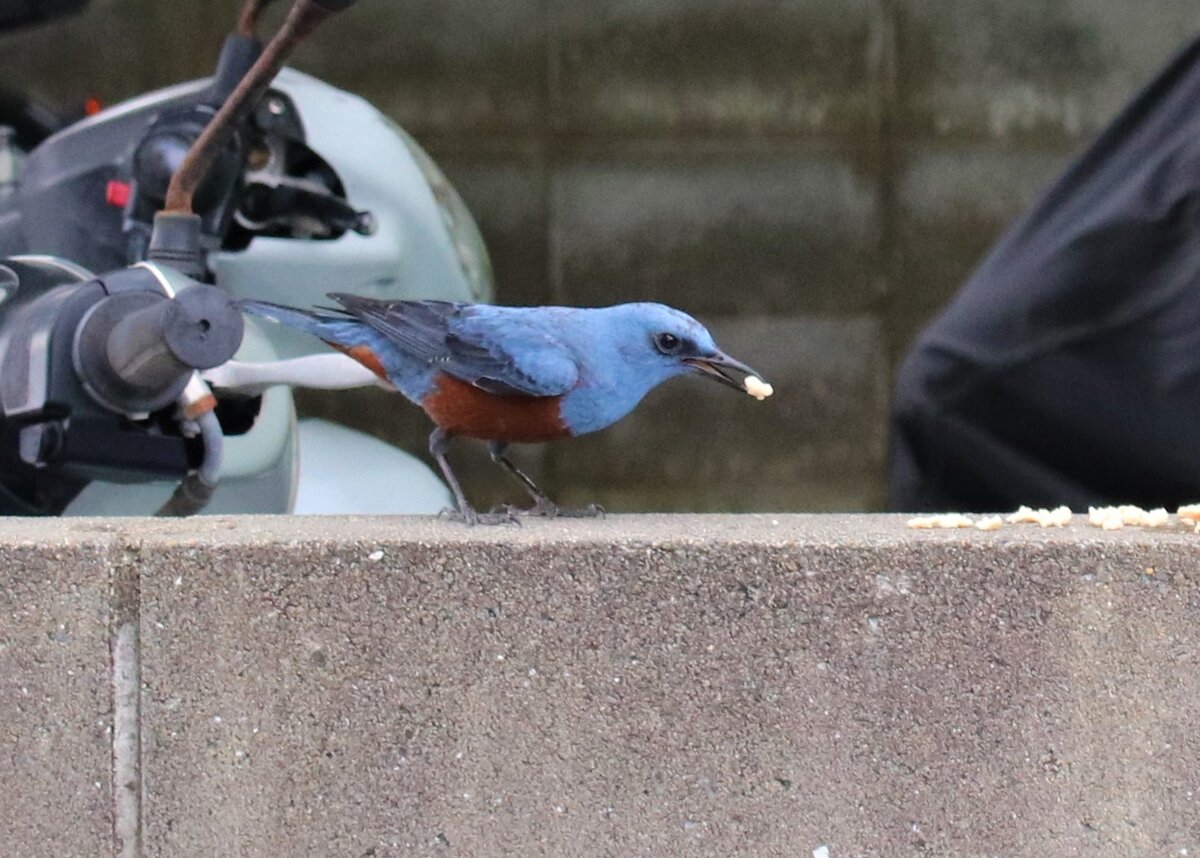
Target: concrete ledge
{"type": "Point", "coordinates": [757, 685]}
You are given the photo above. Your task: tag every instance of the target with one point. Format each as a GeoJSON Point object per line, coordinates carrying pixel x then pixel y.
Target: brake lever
{"type": "Point", "coordinates": [275, 201]}
{"type": "Point", "coordinates": [330, 371]}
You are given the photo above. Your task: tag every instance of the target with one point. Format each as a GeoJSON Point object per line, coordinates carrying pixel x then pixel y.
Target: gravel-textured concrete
{"type": "Point", "coordinates": [56, 794]}
{"type": "Point", "coordinates": [635, 686]}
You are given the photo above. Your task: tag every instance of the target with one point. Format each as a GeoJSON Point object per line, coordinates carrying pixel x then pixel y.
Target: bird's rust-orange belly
{"type": "Point", "coordinates": [463, 409]}
{"type": "Point", "coordinates": [363, 355]}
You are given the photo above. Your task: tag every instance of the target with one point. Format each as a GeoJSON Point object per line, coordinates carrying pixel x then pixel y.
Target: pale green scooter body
{"type": "Point", "coordinates": [426, 246]}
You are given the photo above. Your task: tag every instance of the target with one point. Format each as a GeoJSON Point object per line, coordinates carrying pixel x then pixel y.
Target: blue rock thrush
{"type": "Point", "coordinates": [517, 374]}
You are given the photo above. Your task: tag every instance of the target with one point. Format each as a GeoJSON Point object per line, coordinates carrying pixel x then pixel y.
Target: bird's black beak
{"type": "Point", "coordinates": [724, 369]}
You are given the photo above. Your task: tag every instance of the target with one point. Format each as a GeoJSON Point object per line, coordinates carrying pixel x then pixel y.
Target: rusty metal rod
{"type": "Point", "coordinates": [302, 19]}
{"type": "Point", "coordinates": [250, 15]}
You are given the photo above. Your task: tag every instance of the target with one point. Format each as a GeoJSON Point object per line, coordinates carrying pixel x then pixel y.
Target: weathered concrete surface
{"type": "Point", "coordinates": [1029, 70]}
{"type": "Point", "coordinates": [635, 686]}
{"type": "Point", "coordinates": [681, 231]}
{"type": "Point", "coordinates": [56, 794]}
{"type": "Point", "coordinates": [694, 65]}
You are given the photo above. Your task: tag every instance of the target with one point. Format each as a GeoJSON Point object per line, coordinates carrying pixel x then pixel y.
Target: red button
{"type": "Point", "coordinates": [117, 193]}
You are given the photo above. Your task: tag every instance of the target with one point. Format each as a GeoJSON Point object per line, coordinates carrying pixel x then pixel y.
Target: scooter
{"type": "Point", "coordinates": [105, 379]}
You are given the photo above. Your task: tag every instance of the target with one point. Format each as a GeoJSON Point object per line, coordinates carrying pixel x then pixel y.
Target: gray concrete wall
{"type": "Point", "coordinates": [707, 686]}
{"type": "Point", "coordinates": [812, 177]}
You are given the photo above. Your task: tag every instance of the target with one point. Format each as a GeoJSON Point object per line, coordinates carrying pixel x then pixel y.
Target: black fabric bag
{"type": "Point", "coordinates": [1067, 369]}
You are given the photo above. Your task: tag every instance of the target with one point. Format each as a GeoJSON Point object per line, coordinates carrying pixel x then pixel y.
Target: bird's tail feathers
{"type": "Point", "coordinates": [305, 320]}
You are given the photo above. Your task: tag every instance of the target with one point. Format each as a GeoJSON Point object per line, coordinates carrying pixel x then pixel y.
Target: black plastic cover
{"type": "Point", "coordinates": [1067, 370]}
{"type": "Point", "coordinates": [60, 206]}
{"type": "Point", "coordinates": [22, 13]}
{"type": "Point", "coordinates": [238, 55]}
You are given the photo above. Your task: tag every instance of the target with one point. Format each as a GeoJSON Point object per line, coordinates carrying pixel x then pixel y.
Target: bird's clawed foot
{"type": "Point", "coordinates": [471, 517]}
{"type": "Point", "coordinates": [546, 508]}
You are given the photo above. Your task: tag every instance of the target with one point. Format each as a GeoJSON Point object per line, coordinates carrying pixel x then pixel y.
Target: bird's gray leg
{"type": "Point", "coordinates": [542, 505]}
{"type": "Point", "coordinates": [496, 449]}
{"type": "Point", "coordinates": [439, 440]}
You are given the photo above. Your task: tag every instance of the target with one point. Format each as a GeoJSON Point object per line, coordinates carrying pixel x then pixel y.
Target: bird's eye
{"type": "Point", "coordinates": [668, 344]}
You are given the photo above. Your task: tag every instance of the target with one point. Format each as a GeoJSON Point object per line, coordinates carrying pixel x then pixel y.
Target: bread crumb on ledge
{"type": "Point", "coordinates": [1117, 517]}
{"type": "Point", "coordinates": [1104, 517]}
{"type": "Point", "coordinates": [945, 521]}
{"type": "Point", "coordinates": [1058, 517]}
{"type": "Point", "coordinates": [1189, 513]}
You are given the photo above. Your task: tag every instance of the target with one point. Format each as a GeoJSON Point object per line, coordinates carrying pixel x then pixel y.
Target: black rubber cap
{"type": "Point", "coordinates": [334, 5]}
{"type": "Point", "coordinates": [203, 328]}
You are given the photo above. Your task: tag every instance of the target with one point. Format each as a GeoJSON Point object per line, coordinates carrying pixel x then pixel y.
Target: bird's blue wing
{"type": "Point", "coordinates": [498, 349]}
{"type": "Point", "coordinates": [520, 348]}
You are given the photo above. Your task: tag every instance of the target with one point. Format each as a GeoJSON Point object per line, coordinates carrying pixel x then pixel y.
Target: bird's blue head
{"type": "Point", "coordinates": [635, 347]}
{"type": "Point", "coordinates": [659, 342]}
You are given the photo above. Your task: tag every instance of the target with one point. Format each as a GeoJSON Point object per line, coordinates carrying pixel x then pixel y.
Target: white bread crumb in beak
{"type": "Point", "coordinates": [757, 388]}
